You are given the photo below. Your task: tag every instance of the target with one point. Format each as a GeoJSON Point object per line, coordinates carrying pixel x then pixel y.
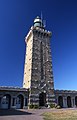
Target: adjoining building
{"type": "Point", "coordinates": [38, 83]}
{"type": "Point", "coordinates": [66, 98]}
{"type": "Point", "coordinates": [13, 97]}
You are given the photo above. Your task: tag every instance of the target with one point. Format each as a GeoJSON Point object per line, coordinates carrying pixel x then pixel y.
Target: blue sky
{"type": "Point", "coordinates": [16, 18]}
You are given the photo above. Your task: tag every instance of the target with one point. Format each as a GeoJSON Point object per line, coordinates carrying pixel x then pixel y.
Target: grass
{"type": "Point", "coordinates": [61, 114]}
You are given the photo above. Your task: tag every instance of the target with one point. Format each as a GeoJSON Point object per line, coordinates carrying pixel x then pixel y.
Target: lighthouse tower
{"type": "Point", "coordinates": [38, 74]}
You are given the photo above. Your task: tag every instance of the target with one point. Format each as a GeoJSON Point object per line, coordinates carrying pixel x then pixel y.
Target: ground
{"type": "Point", "coordinates": [22, 114]}
{"type": "Point", "coordinates": [61, 114]}
{"type": "Point", "coordinates": [39, 114]}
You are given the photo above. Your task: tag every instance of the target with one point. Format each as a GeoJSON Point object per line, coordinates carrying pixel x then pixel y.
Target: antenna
{"type": "Point", "coordinates": [44, 22]}
{"type": "Point", "coordinates": [41, 18]}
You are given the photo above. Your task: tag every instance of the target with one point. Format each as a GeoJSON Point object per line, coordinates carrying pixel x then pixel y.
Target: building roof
{"type": "Point", "coordinates": [3, 88]}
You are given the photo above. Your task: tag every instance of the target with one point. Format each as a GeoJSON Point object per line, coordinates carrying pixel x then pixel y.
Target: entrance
{"type": "Point", "coordinates": [69, 101]}
{"type": "Point", "coordinates": [19, 102]}
{"type": "Point", "coordinates": [76, 101]}
{"type": "Point", "coordinates": [0, 102]}
{"type": "Point", "coordinates": [60, 101]}
{"type": "Point", "coordinates": [42, 99]}
{"type": "Point", "coordinates": [6, 102]}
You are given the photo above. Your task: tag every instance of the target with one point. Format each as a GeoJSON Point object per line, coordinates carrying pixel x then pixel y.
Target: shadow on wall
{"type": "Point", "coordinates": [10, 112]}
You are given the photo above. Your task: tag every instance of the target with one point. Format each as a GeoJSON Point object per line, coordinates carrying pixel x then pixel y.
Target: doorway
{"type": "Point", "coordinates": [42, 99]}
{"type": "Point", "coordinates": [76, 101]}
{"type": "Point", "coordinates": [60, 101]}
{"type": "Point", "coordinates": [6, 101]}
{"type": "Point", "coordinates": [69, 101]}
{"type": "Point", "coordinates": [19, 102]}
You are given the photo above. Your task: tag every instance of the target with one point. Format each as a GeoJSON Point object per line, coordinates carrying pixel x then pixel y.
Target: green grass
{"type": "Point", "coordinates": [62, 114]}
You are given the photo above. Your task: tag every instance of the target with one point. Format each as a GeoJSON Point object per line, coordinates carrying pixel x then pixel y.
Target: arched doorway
{"type": "Point", "coordinates": [42, 99]}
{"type": "Point", "coordinates": [0, 102]}
{"type": "Point", "coordinates": [76, 101]}
{"type": "Point", "coordinates": [60, 101]}
{"type": "Point", "coordinates": [26, 101]}
{"type": "Point", "coordinates": [19, 102]}
{"type": "Point", "coordinates": [69, 101]}
{"type": "Point", "coordinates": [6, 101]}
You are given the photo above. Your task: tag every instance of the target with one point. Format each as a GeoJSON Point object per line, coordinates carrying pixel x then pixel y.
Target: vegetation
{"type": "Point", "coordinates": [58, 107]}
{"type": "Point", "coordinates": [31, 106]}
{"type": "Point", "coordinates": [52, 105]}
{"type": "Point", "coordinates": [61, 114]}
{"type": "Point", "coordinates": [36, 107]}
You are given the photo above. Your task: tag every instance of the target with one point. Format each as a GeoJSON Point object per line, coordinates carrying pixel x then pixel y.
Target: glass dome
{"type": "Point", "coordinates": [38, 22]}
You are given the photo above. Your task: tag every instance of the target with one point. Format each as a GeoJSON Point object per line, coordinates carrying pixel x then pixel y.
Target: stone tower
{"type": "Point", "coordinates": [38, 74]}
